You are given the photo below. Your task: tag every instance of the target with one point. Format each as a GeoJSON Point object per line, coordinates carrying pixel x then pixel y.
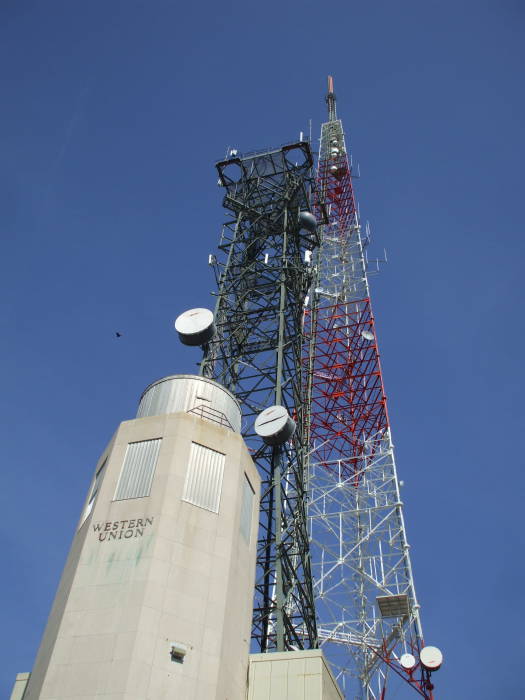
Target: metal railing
{"type": "Point", "coordinates": [211, 414]}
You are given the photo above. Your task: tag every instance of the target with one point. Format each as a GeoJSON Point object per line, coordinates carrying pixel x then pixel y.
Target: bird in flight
{"type": "Point", "coordinates": [118, 335]}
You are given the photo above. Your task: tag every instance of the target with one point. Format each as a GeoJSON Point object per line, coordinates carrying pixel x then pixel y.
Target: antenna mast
{"type": "Point", "coordinates": [366, 607]}
{"type": "Point", "coordinates": [330, 100]}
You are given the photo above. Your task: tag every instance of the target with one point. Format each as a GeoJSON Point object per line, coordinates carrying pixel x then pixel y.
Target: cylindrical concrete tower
{"type": "Point", "coordinates": [156, 597]}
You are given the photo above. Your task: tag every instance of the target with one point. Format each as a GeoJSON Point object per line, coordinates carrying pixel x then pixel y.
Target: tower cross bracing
{"type": "Point", "coordinates": [263, 279]}
{"type": "Point", "coordinates": [366, 606]}
{"type": "Point", "coordinates": [295, 327]}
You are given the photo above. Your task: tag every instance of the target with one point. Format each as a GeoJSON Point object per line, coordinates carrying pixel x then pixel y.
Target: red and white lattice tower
{"type": "Point", "coordinates": [367, 612]}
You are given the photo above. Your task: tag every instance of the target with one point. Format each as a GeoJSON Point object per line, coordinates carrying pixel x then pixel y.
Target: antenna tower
{"type": "Point", "coordinates": [365, 600]}
{"type": "Point", "coordinates": [256, 353]}
{"type": "Point", "coordinates": [294, 328]}
{"type": "Point", "coordinates": [292, 338]}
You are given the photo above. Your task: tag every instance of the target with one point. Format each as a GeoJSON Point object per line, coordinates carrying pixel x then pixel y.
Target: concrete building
{"type": "Point", "coordinates": [155, 600]}
{"type": "Point", "coordinates": [291, 675]}
{"type": "Point", "coordinates": [156, 596]}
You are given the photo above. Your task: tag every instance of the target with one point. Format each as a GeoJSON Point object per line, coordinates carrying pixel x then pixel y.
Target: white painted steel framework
{"type": "Point", "coordinates": [359, 548]}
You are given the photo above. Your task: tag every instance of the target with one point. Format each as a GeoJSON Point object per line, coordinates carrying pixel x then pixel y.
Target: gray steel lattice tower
{"type": "Point", "coordinates": [256, 353]}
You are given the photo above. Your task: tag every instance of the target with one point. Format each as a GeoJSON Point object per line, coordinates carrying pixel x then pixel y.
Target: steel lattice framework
{"type": "Point", "coordinates": [263, 280]}
{"type": "Point", "coordinates": [366, 606]}
{"type": "Point", "coordinates": [295, 328]}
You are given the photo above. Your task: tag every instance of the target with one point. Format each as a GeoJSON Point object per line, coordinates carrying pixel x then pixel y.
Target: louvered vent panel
{"type": "Point", "coordinates": [204, 478]}
{"type": "Point", "coordinates": [246, 509]}
{"type": "Point", "coordinates": [138, 469]}
{"type": "Point", "coordinates": [94, 492]}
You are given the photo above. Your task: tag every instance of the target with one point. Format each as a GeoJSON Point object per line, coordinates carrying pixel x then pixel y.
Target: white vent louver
{"type": "Point", "coordinates": [203, 484]}
{"type": "Point", "coordinates": [138, 469]}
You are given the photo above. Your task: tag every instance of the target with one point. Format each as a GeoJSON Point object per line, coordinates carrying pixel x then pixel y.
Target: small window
{"type": "Point", "coordinates": [138, 470]}
{"type": "Point", "coordinates": [203, 483]}
{"type": "Point", "coordinates": [246, 509]}
{"type": "Point", "coordinates": [93, 493]}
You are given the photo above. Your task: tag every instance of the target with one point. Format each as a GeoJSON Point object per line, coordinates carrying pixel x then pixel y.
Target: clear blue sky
{"type": "Point", "coordinates": [113, 115]}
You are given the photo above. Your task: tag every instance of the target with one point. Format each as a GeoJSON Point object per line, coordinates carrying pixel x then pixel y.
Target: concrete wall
{"type": "Point", "coordinates": [185, 575]}
{"type": "Point", "coordinates": [291, 675]}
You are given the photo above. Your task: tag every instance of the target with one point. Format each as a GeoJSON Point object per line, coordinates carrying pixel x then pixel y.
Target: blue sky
{"type": "Point", "coordinates": [113, 115]}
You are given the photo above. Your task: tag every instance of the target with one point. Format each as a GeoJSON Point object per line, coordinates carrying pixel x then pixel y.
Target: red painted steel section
{"type": "Point", "coordinates": [348, 401]}
{"type": "Point", "coordinates": [347, 394]}
{"type": "Point", "coordinates": [422, 684]}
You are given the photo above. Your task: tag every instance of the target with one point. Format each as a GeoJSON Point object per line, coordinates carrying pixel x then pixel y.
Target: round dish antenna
{"type": "Point", "coordinates": [431, 658]}
{"type": "Point", "coordinates": [407, 661]}
{"type": "Point", "coordinates": [307, 221]}
{"type": "Point", "coordinates": [274, 425]}
{"type": "Point", "coordinates": [367, 335]}
{"type": "Point", "coordinates": [195, 326]}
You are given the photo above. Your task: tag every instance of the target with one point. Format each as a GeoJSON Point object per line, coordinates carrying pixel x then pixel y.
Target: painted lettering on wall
{"type": "Point", "coordinates": [122, 529]}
